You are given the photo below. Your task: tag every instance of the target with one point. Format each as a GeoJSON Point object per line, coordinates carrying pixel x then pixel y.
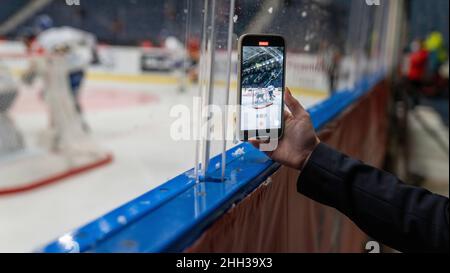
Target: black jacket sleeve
{"type": "Point", "coordinates": [403, 217]}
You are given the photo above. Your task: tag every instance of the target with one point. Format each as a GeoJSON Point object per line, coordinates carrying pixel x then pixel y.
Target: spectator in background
{"type": "Point", "coordinates": [437, 54]}
{"type": "Point", "coordinates": [436, 88]}
{"type": "Point", "coordinates": [417, 69]}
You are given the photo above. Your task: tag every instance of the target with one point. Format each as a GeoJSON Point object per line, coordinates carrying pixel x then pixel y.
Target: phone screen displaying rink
{"type": "Point", "coordinates": [262, 87]}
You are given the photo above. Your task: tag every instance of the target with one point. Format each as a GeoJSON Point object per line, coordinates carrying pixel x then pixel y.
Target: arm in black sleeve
{"type": "Point", "coordinates": [404, 217]}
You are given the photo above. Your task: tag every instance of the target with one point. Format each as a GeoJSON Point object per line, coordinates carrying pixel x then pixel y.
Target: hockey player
{"type": "Point", "coordinates": [76, 45]}
{"type": "Point", "coordinates": [78, 48]}
{"type": "Point", "coordinates": [271, 95]}
{"type": "Point", "coordinates": [178, 54]}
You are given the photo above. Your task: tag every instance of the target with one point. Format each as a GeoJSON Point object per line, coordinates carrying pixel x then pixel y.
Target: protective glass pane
{"type": "Point", "coordinates": [89, 92]}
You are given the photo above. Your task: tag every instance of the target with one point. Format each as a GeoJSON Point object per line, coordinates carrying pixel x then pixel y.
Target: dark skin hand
{"type": "Point", "coordinates": [299, 139]}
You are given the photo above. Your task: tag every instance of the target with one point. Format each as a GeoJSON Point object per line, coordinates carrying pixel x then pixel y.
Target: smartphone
{"type": "Point", "coordinates": [261, 84]}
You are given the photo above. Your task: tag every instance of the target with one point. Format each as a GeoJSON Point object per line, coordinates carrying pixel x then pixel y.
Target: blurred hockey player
{"type": "Point", "coordinates": [271, 90]}
{"type": "Point", "coordinates": [76, 46]}
{"type": "Point", "coordinates": [178, 54]}
{"type": "Point", "coordinates": [185, 58]}
{"type": "Point", "coordinates": [193, 48]}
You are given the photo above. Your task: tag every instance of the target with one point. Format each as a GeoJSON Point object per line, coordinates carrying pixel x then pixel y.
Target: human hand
{"type": "Point", "coordinates": [299, 138]}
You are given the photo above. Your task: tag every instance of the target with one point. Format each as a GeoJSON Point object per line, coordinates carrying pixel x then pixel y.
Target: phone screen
{"type": "Point", "coordinates": [262, 84]}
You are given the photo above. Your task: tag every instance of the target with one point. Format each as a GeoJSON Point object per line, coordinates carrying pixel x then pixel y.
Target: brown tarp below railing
{"type": "Point", "coordinates": [275, 218]}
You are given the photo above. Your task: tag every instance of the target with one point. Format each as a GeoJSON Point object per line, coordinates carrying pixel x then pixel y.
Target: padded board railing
{"type": "Point", "coordinates": [172, 216]}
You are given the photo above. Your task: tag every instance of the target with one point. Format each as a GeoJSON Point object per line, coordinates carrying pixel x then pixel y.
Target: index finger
{"type": "Point", "coordinates": [294, 105]}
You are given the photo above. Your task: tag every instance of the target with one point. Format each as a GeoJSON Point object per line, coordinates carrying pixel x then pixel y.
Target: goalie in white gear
{"type": "Point", "coordinates": [78, 48]}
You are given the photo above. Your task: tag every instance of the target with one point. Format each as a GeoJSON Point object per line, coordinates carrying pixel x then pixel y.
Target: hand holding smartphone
{"type": "Point", "coordinates": [261, 78]}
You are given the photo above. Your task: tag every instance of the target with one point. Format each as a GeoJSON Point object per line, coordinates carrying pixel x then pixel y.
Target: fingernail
{"type": "Point", "coordinates": [289, 95]}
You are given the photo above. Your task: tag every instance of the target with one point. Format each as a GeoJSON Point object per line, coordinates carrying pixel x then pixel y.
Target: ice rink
{"type": "Point", "coordinates": [260, 116]}
{"type": "Point", "coordinates": [128, 116]}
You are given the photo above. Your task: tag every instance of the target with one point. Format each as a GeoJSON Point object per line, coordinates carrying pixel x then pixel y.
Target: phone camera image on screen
{"type": "Point", "coordinates": [262, 76]}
